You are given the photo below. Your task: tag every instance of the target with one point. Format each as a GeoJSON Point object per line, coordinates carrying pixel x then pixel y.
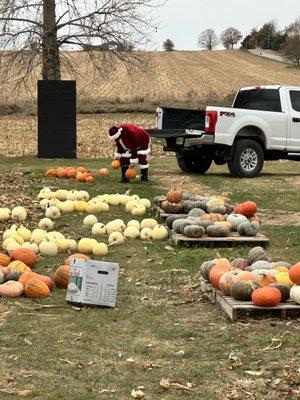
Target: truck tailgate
{"type": "Point", "coordinates": [176, 118]}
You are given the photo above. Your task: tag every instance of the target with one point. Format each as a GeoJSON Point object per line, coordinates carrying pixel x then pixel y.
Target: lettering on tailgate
{"type": "Point", "coordinates": [227, 114]}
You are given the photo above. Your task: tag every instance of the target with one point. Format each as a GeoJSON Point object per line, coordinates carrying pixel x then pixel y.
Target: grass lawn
{"type": "Point", "coordinates": [93, 353]}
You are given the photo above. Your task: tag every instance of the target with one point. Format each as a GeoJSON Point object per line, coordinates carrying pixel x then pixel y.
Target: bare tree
{"type": "Point", "coordinates": [291, 50]}
{"type": "Point", "coordinates": [168, 45]}
{"type": "Point", "coordinates": [40, 33]}
{"type": "Point", "coordinates": [208, 39]}
{"type": "Point", "coordinates": [230, 37]}
{"type": "Point", "coordinates": [294, 28]}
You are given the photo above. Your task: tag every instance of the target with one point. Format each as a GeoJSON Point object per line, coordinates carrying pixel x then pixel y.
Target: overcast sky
{"type": "Point", "coordinates": [183, 20]}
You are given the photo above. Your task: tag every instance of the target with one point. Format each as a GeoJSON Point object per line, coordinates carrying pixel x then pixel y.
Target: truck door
{"type": "Point", "coordinates": [294, 123]}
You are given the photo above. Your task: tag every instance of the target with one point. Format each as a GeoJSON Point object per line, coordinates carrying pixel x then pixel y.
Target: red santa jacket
{"type": "Point", "coordinates": [134, 140]}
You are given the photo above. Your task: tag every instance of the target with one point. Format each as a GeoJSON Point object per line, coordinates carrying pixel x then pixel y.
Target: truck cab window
{"type": "Point", "coordinates": [259, 99]}
{"type": "Point", "coordinates": [295, 99]}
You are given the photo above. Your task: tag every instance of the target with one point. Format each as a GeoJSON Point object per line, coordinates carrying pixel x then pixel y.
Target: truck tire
{"type": "Point", "coordinates": [198, 164]}
{"type": "Point", "coordinates": [248, 159]}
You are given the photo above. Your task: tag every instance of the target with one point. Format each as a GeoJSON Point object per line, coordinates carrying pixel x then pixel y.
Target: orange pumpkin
{"type": "Point", "coordinates": [50, 172]}
{"type": "Point", "coordinates": [131, 173]}
{"type": "Point", "coordinates": [294, 273]}
{"type": "Point", "coordinates": [213, 217]}
{"type": "Point", "coordinates": [103, 171]}
{"type": "Point", "coordinates": [248, 208]}
{"type": "Point", "coordinates": [71, 173]}
{"type": "Point", "coordinates": [76, 255]}
{"type": "Point", "coordinates": [174, 196]}
{"type": "Point", "coordinates": [24, 278]}
{"type": "Point", "coordinates": [116, 164]}
{"type": "Point", "coordinates": [266, 296]}
{"type": "Point", "coordinates": [226, 280]}
{"type": "Point", "coordinates": [215, 274]}
{"type": "Point", "coordinates": [18, 266]}
{"type": "Point", "coordinates": [27, 256]}
{"type": "Point", "coordinates": [265, 280]}
{"type": "Point", "coordinates": [36, 289]}
{"type": "Point", "coordinates": [244, 276]}
{"type": "Point", "coordinates": [90, 179]}
{"type": "Point", "coordinates": [61, 277]}
{"type": "Point", "coordinates": [62, 173]}
{"type": "Point", "coordinates": [4, 259]}
{"type": "Point", "coordinates": [80, 169]}
{"type": "Point", "coordinates": [80, 177]}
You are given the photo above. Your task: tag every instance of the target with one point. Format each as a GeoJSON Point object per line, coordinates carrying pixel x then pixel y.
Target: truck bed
{"type": "Point", "coordinates": [177, 118]}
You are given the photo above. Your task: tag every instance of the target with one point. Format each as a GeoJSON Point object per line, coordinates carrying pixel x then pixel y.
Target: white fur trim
{"type": "Point", "coordinates": [118, 155]}
{"type": "Point", "coordinates": [117, 135]}
{"type": "Point", "coordinates": [134, 160]}
{"type": "Point", "coordinates": [126, 155]}
{"type": "Point", "coordinates": [144, 166]}
{"type": "Point", "coordinates": [144, 152]}
{"type": "Point", "coordinates": [123, 145]}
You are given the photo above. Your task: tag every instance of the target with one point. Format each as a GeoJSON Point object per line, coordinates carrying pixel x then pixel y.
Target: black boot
{"type": "Point", "coordinates": [144, 173]}
{"type": "Point", "coordinates": [124, 169]}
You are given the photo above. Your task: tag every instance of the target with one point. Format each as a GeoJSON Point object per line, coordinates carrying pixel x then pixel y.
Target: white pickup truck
{"type": "Point", "coordinates": [263, 124]}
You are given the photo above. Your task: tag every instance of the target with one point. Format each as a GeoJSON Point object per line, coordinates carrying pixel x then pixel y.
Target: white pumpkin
{"type": "Point", "coordinates": [105, 207]}
{"type": "Point", "coordinates": [54, 202]}
{"type": "Point", "coordinates": [131, 232]}
{"type": "Point", "coordinates": [146, 203]}
{"type": "Point", "coordinates": [31, 246]}
{"type": "Point", "coordinates": [25, 233]}
{"type": "Point", "coordinates": [19, 213]}
{"type": "Point", "coordinates": [38, 236]}
{"type": "Point", "coordinates": [62, 245]}
{"type": "Point", "coordinates": [160, 232]}
{"type": "Point", "coordinates": [91, 208]}
{"type": "Point", "coordinates": [134, 223]}
{"type": "Point", "coordinates": [114, 199]}
{"type": "Point", "coordinates": [72, 195]}
{"type": "Point", "coordinates": [48, 249]}
{"type": "Point", "coordinates": [85, 245]}
{"type": "Point", "coordinates": [66, 206]}
{"type": "Point", "coordinates": [124, 199]}
{"type": "Point", "coordinates": [116, 238]}
{"type": "Point", "coordinates": [46, 224]}
{"type": "Point", "coordinates": [100, 249]}
{"type": "Point", "coordinates": [146, 234]}
{"type": "Point", "coordinates": [135, 197]}
{"type": "Point", "coordinates": [7, 241]}
{"type": "Point", "coordinates": [62, 194]}
{"type": "Point", "coordinates": [149, 223]}
{"type": "Point", "coordinates": [130, 205]}
{"type": "Point", "coordinates": [8, 233]}
{"type": "Point", "coordinates": [72, 245]}
{"type": "Point", "coordinates": [53, 236]}
{"type": "Point", "coordinates": [80, 205]}
{"type": "Point", "coordinates": [139, 210]}
{"type": "Point", "coordinates": [83, 195]}
{"type": "Point", "coordinates": [295, 293]}
{"type": "Point", "coordinates": [236, 220]}
{"type": "Point", "coordinates": [12, 245]}
{"type": "Point", "coordinates": [18, 238]}
{"type": "Point", "coordinates": [90, 220]}
{"type": "Point", "coordinates": [4, 214]}
{"type": "Point", "coordinates": [113, 226]}
{"type": "Point", "coordinates": [45, 193]}
{"type": "Point", "coordinates": [44, 204]}
{"type": "Point", "coordinates": [52, 212]}
{"type": "Point", "coordinates": [98, 229]}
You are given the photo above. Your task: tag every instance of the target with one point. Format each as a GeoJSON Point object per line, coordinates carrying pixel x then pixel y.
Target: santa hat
{"type": "Point", "coordinates": [114, 132]}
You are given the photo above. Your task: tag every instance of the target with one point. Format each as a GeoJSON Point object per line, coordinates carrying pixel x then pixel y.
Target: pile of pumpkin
{"type": "Point", "coordinates": [80, 174]}
{"type": "Point", "coordinates": [118, 231]}
{"type": "Point", "coordinates": [194, 216]}
{"type": "Point", "coordinates": [66, 201]}
{"type": "Point", "coordinates": [254, 278]}
{"type": "Point", "coordinates": [17, 277]}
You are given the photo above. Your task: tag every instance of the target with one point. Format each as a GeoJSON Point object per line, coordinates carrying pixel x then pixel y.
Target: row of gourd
{"type": "Point", "coordinates": [17, 276]}
{"type": "Point", "coordinates": [194, 216]}
{"type": "Point", "coordinates": [67, 201]}
{"type": "Point", "coordinates": [81, 174]}
{"type": "Point", "coordinates": [254, 278]}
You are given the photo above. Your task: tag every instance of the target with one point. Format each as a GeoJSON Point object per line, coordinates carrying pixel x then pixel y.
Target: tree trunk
{"type": "Point", "coordinates": [51, 62]}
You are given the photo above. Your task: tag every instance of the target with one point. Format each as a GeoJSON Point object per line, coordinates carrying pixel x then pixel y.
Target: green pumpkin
{"type": "Point", "coordinates": [13, 276]}
{"type": "Point", "coordinates": [172, 218]}
{"type": "Point", "coordinates": [194, 231]}
{"type": "Point", "coordinates": [217, 231]}
{"type": "Point", "coordinates": [243, 290]}
{"type": "Point", "coordinates": [248, 228]}
{"type": "Point", "coordinates": [205, 269]}
{"type": "Point", "coordinates": [196, 212]}
{"type": "Point", "coordinates": [257, 254]}
{"type": "Point", "coordinates": [177, 224]}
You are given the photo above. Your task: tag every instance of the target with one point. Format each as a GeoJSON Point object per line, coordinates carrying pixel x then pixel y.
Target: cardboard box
{"type": "Point", "coordinates": [93, 283]}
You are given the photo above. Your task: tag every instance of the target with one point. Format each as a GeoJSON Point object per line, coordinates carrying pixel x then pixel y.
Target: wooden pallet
{"type": "Point", "coordinates": [234, 239]}
{"type": "Point", "coordinates": [236, 309]}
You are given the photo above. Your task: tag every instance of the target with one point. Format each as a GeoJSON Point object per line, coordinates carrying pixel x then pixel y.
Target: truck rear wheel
{"type": "Point", "coordinates": [198, 164]}
{"type": "Point", "coordinates": [248, 159]}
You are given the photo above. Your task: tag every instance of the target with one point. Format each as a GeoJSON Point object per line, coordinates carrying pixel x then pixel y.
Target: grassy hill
{"type": "Point", "coordinates": [192, 77]}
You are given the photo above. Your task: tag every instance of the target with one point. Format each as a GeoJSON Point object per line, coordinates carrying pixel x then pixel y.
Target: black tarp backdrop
{"type": "Point", "coordinates": [57, 119]}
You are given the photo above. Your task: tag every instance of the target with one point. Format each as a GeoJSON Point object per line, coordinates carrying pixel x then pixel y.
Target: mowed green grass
{"type": "Point", "coordinates": [97, 353]}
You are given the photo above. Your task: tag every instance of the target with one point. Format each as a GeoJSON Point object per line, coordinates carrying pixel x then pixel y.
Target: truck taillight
{"type": "Point", "coordinates": [211, 119]}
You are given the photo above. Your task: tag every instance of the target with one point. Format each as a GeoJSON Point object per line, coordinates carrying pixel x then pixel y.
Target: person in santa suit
{"type": "Point", "coordinates": [133, 147]}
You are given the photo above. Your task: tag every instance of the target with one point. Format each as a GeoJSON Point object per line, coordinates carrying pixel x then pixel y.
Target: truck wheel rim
{"type": "Point", "coordinates": [249, 160]}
